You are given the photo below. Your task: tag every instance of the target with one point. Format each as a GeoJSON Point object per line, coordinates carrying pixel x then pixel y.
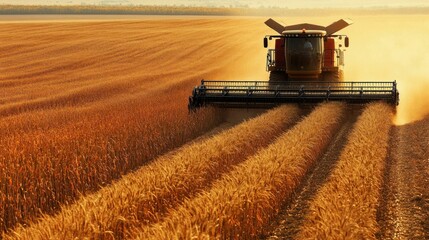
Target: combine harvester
{"type": "Point", "coordinates": [306, 66]}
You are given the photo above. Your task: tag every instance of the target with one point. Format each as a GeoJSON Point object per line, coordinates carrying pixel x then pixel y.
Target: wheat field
{"type": "Point", "coordinates": [96, 140]}
{"type": "Point", "coordinates": [243, 201]}
{"type": "Point", "coordinates": [72, 121]}
{"type": "Point", "coordinates": [345, 208]}
{"type": "Point", "coordinates": [146, 195]}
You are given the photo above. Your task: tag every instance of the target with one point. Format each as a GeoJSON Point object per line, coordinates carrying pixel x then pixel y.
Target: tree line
{"type": "Point", "coordinates": [189, 10]}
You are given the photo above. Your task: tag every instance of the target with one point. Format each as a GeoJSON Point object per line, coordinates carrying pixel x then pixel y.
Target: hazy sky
{"type": "Point", "coordinates": [250, 3]}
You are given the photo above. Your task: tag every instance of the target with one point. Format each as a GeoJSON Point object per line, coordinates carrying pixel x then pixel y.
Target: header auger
{"type": "Point", "coordinates": [306, 66]}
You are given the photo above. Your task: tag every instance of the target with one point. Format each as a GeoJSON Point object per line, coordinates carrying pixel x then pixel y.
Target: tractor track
{"type": "Point", "coordinates": [293, 213]}
{"type": "Point", "coordinates": [404, 207]}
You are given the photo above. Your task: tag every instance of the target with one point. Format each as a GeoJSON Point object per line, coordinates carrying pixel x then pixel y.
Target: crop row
{"type": "Point", "coordinates": [241, 203]}
{"type": "Point", "coordinates": [145, 196]}
{"type": "Point", "coordinates": [345, 207]}
{"type": "Point", "coordinates": [43, 167]}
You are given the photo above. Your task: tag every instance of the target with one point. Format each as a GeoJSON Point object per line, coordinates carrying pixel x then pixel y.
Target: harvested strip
{"type": "Point", "coordinates": [146, 195]}
{"type": "Point", "coordinates": [345, 208]}
{"type": "Point", "coordinates": [293, 214]}
{"type": "Point", "coordinates": [404, 209]}
{"type": "Point", "coordinates": [241, 203]}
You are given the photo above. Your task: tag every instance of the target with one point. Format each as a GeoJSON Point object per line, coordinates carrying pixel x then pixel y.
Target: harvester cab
{"type": "Point", "coordinates": [306, 51]}
{"type": "Point", "coordinates": [306, 66]}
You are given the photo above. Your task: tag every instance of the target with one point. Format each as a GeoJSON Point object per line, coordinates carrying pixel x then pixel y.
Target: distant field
{"type": "Point", "coordinates": [22, 18]}
{"type": "Point", "coordinates": [84, 103]}
{"type": "Point", "coordinates": [201, 11]}
{"type": "Point", "coordinates": [140, 10]}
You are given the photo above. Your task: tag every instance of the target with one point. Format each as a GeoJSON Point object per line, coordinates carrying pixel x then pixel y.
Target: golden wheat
{"type": "Point", "coordinates": [41, 169]}
{"type": "Point", "coordinates": [240, 204]}
{"type": "Point", "coordinates": [144, 196]}
{"type": "Point", "coordinates": [345, 207]}
{"type": "Point", "coordinates": [84, 103]}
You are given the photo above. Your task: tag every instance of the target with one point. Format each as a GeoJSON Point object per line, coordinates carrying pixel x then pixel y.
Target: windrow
{"type": "Point", "coordinates": [145, 196]}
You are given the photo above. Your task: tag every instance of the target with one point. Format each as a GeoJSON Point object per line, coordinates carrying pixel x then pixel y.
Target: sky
{"type": "Point", "coordinates": [234, 3]}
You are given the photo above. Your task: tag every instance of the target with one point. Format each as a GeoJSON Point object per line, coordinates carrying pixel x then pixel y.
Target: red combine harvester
{"type": "Point", "coordinates": [306, 66]}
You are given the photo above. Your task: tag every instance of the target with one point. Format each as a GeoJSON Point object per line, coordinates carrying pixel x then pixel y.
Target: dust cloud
{"type": "Point", "coordinates": [391, 48]}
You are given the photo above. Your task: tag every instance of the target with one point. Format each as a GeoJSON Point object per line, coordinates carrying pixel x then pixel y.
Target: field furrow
{"type": "Point", "coordinates": [146, 195]}
{"type": "Point", "coordinates": [241, 204]}
{"type": "Point", "coordinates": [404, 211]}
{"type": "Point", "coordinates": [292, 215]}
{"type": "Point", "coordinates": [345, 207]}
